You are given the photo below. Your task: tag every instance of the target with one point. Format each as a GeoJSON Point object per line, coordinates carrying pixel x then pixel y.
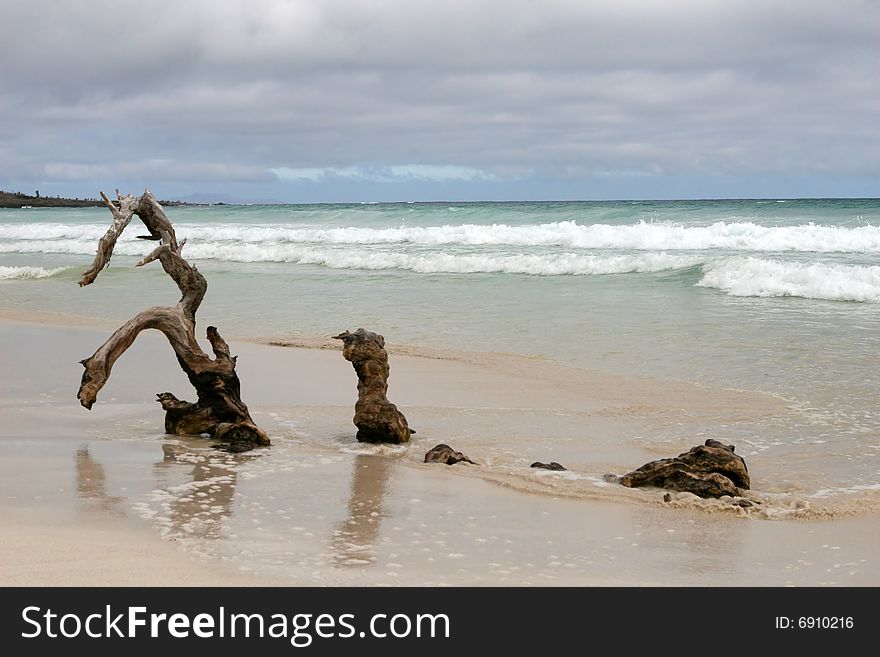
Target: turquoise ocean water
{"type": "Point", "coordinates": [774, 296]}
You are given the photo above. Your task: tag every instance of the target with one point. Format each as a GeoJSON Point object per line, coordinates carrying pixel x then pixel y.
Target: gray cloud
{"type": "Point", "coordinates": [494, 90]}
{"type": "Point", "coordinates": [155, 169]}
{"type": "Point", "coordinates": [386, 174]}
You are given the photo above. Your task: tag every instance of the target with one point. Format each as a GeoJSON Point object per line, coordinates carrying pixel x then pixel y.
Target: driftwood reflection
{"type": "Point", "coordinates": [199, 507]}
{"type": "Point", "coordinates": [91, 482]}
{"type": "Point", "coordinates": [354, 541]}
{"type": "Point", "coordinates": [197, 487]}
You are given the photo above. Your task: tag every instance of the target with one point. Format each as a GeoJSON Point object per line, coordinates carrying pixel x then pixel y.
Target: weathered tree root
{"type": "Point", "coordinates": [219, 410]}
{"type": "Point", "coordinates": [710, 470]}
{"type": "Point", "coordinates": [377, 419]}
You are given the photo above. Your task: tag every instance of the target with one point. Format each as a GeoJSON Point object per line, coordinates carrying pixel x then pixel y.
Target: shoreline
{"type": "Point", "coordinates": [319, 508]}
{"type": "Point", "coordinates": [326, 343]}
{"type": "Point", "coordinates": [611, 396]}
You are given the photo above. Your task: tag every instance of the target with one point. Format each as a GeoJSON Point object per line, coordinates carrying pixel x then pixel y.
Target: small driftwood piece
{"type": "Point", "coordinates": [219, 410]}
{"type": "Point", "coordinates": [376, 418]}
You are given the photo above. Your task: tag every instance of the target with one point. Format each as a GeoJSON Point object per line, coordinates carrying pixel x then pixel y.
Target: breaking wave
{"type": "Point", "coordinates": [756, 277]}
{"type": "Point", "coordinates": [643, 236]}
{"type": "Point", "coordinates": [535, 265]}
{"type": "Point", "coordinates": [727, 253]}
{"type": "Point", "coordinates": [20, 273]}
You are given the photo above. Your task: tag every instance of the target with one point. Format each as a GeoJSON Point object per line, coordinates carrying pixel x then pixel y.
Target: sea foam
{"type": "Point", "coordinates": [358, 257]}
{"type": "Point", "coordinates": [564, 248]}
{"type": "Point", "coordinates": [439, 263]}
{"type": "Point", "coordinates": [756, 277]}
{"type": "Point", "coordinates": [643, 236]}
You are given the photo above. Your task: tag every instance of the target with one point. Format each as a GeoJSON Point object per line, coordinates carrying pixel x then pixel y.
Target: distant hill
{"type": "Point", "coordinates": [19, 200]}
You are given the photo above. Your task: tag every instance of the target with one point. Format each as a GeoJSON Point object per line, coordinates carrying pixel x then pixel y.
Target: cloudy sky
{"type": "Point", "coordinates": [363, 100]}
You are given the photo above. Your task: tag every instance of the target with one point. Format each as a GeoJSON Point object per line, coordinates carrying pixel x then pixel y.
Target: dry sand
{"type": "Point", "coordinates": [103, 498]}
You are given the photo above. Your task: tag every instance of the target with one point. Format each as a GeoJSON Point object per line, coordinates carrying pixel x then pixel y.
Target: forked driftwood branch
{"type": "Point", "coordinates": [219, 410]}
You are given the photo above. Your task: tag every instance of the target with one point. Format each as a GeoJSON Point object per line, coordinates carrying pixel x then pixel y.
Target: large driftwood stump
{"type": "Point", "coordinates": [219, 410]}
{"type": "Point", "coordinates": [377, 419]}
{"type": "Point", "coordinates": [709, 470]}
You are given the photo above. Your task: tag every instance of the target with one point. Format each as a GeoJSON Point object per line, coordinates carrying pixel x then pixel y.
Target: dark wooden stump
{"type": "Point", "coordinates": [376, 418]}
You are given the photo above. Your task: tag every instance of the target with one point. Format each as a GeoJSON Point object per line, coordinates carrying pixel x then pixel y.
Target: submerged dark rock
{"type": "Point", "coordinates": [709, 470]}
{"type": "Point", "coordinates": [553, 465]}
{"type": "Point", "coordinates": [445, 454]}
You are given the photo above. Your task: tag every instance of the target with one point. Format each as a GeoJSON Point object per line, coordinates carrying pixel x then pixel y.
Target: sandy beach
{"type": "Point", "coordinates": [105, 498]}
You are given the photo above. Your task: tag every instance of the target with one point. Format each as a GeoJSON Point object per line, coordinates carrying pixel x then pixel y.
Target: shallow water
{"type": "Point", "coordinates": [773, 297]}
{"type": "Point", "coordinates": [319, 508]}
{"type": "Point", "coordinates": [290, 515]}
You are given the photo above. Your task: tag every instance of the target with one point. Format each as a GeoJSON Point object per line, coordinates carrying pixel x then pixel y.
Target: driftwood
{"type": "Point", "coordinates": [445, 454]}
{"type": "Point", "coordinates": [219, 410]}
{"type": "Point", "coordinates": [377, 419]}
{"type": "Point", "coordinates": [710, 470]}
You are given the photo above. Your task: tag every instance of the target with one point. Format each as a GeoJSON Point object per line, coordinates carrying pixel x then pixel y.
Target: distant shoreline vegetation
{"type": "Point", "coordinates": [21, 200]}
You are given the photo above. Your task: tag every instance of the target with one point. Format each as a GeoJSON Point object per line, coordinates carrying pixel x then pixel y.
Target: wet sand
{"type": "Point", "coordinates": [103, 497]}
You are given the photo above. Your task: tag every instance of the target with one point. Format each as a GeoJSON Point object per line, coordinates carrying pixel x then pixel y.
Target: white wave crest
{"type": "Point", "coordinates": [439, 263]}
{"type": "Point", "coordinates": [558, 264]}
{"type": "Point", "coordinates": [665, 236]}
{"type": "Point", "coordinates": [741, 236]}
{"type": "Point", "coordinates": [756, 277]}
{"type": "Point", "coordinates": [20, 273]}
{"type": "Point", "coordinates": [51, 231]}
